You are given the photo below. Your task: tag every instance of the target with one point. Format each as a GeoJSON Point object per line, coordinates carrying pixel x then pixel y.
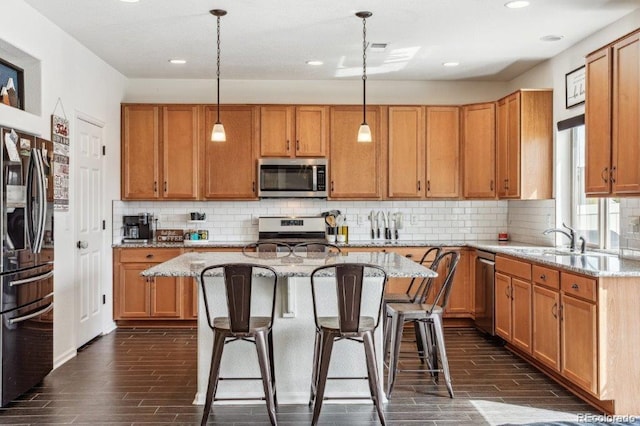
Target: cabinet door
{"type": "Point", "coordinates": [502, 147]}
{"type": "Point", "coordinates": [546, 326]}
{"type": "Point", "coordinates": [513, 147]}
{"type": "Point", "coordinates": [140, 152]}
{"type": "Point", "coordinates": [354, 166]}
{"type": "Point", "coordinates": [443, 152]}
{"type": "Point", "coordinates": [460, 304]}
{"type": "Point", "coordinates": [521, 321]}
{"type": "Point", "coordinates": [166, 297]}
{"type": "Point", "coordinates": [230, 167]}
{"type": "Point", "coordinates": [180, 142]}
{"type": "Point", "coordinates": [311, 131]}
{"type": "Point", "coordinates": [406, 148]}
{"type": "Point", "coordinates": [503, 306]}
{"type": "Point", "coordinates": [479, 150]}
{"type": "Point", "coordinates": [579, 351]}
{"type": "Point", "coordinates": [276, 131]}
{"type": "Point", "coordinates": [598, 123]}
{"type": "Point", "coordinates": [134, 292]}
{"type": "Point", "coordinates": [625, 172]}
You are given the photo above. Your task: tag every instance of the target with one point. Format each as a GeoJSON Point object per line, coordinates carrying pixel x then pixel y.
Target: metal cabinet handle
{"type": "Point", "coordinates": [331, 186]}
{"type": "Point", "coordinates": [613, 174]}
{"type": "Point", "coordinates": [575, 286]}
{"type": "Point", "coordinates": [604, 173]}
{"type": "Point", "coordinates": [506, 292]}
{"type": "Point", "coordinates": [409, 256]}
{"type": "Point", "coordinates": [253, 186]}
{"type": "Point", "coordinates": [150, 255]}
{"type": "Point", "coordinates": [419, 186]}
{"type": "Point", "coordinates": [554, 310]}
{"type": "Point", "coordinates": [297, 145]}
{"type": "Point", "coordinates": [165, 186]}
{"type": "Point", "coordinates": [543, 277]}
{"type": "Point", "coordinates": [287, 145]}
{"type": "Point", "coordinates": [491, 186]}
{"type": "Point", "coordinates": [155, 186]}
{"type": "Point", "coordinates": [428, 185]}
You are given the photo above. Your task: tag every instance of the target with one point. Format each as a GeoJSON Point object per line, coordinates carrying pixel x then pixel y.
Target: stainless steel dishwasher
{"type": "Point", "coordinates": [485, 268]}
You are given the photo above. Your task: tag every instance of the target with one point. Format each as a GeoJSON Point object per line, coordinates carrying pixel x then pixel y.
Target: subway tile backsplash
{"type": "Point", "coordinates": [453, 221]}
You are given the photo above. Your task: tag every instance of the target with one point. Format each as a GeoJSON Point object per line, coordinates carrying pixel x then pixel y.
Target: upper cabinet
{"type": "Point", "coordinates": [612, 119]}
{"type": "Point", "coordinates": [158, 144]}
{"type": "Point", "coordinates": [354, 167]}
{"type": "Point", "coordinates": [229, 167]}
{"type": "Point", "coordinates": [406, 152]}
{"type": "Point", "coordinates": [479, 142]}
{"type": "Point", "coordinates": [293, 131]}
{"type": "Point", "coordinates": [524, 139]}
{"type": "Point", "coordinates": [443, 152]}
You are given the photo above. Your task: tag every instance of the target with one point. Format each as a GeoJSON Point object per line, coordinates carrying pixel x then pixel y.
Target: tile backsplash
{"type": "Point", "coordinates": [630, 227]}
{"type": "Point", "coordinates": [453, 221]}
{"type": "Point", "coordinates": [527, 220]}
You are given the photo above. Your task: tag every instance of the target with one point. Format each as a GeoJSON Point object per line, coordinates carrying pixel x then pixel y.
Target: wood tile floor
{"type": "Point", "coordinates": [136, 377]}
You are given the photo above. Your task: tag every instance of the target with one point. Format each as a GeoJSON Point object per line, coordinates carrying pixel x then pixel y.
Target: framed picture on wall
{"type": "Point", "coordinates": [575, 87]}
{"type": "Point", "coordinates": [11, 85]}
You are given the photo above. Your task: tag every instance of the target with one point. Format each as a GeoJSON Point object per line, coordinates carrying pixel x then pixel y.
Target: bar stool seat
{"type": "Point", "coordinates": [256, 324]}
{"type": "Point", "coordinates": [333, 323]}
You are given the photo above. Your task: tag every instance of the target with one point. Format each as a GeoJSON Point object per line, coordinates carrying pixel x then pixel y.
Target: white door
{"type": "Point", "coordinates": [89, 230]}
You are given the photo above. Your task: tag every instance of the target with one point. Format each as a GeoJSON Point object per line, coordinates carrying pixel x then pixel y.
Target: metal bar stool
{"type": "Point", "coordinates": [239, 325]}
{"type": "Point", "coordinates": [267, 247]}
{"type": "Point", "coordinates": [429, 318]}
{"type": "Point", "coordinates": [412, 294]}
{"type": "Point", "coordinates": [349, 324]}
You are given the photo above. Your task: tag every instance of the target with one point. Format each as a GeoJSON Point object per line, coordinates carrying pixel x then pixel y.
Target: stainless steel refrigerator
{"type": "Point", "coordinates": [26, 227]}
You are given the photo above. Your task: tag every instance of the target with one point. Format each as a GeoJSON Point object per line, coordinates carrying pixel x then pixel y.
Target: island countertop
{"type": "Point", "coordinates": [289, 265]}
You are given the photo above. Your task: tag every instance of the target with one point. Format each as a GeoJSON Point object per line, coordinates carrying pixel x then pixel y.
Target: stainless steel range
{"type": "Point", "coordinates": [291, 229]}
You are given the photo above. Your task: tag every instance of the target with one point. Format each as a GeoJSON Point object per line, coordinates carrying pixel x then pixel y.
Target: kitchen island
{"type": "Point", "coordinates": [293, 328]}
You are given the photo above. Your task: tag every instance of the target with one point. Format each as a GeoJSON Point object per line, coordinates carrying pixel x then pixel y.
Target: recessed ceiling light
{"type": "Point", "coordinates": [516, 4]}
{"type": "Point", "coordinates": [178, 61]}
{"type": "Point", "coordinates": [451, 64]}
{"type": "Point", "coordinates": [315, 63]}
{"type": "Point", "coordinates": [552, 37]}
{"type": "Point", "coordinates": [129, 1]}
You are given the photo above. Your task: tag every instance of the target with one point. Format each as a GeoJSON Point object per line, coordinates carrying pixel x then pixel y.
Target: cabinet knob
{"type": "Point", "coordinates": [149, 256]}
{"type": "Point", "coordinates": [575, 286]}
{"type": "Point", "coordinates": [543, 277]}
{"type": "Point", "coordinates": [409, 256]}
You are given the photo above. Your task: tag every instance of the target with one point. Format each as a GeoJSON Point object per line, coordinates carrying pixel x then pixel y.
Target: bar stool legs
{"type": "Point", "coordinates": [266, 371]}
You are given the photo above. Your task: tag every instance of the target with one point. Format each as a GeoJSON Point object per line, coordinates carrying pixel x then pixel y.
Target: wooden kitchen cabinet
{"type": "Point", "coordinates": [546, 326]}
{"type": "Point", "coordinates": [513, 302]}
{"type": "Point", "coordinates": [406, 153]}
{"type": "Point", "coordinates": [524, 140]}
{"type": "Point", "coordinates": [293, 131]}
{"type": "Point", "coordinates": [460, 299]}
{"type": "Point", "coordinates": [478, 146]}
{"type": "Point", "coordinates": [579, 331]}
{"type": "Point", "coordinates": [229, 168]}
{"type": "Point", "coordinates": [612, 118]}
{"type": "Point", "coordinates": [158, 144]}
{"type": "Point", "coordinates": [442, 151]}
{"type": "Point", "coordinates": [137, 297]}
{"type": "Point", "coordinates": [354, 167]}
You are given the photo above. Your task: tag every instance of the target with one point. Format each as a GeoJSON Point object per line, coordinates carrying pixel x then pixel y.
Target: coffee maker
{"type": "Point", "coordinates": [138, 229]}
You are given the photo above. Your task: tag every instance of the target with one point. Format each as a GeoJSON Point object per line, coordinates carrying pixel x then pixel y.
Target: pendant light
{"type": "Point", "coordinates": [364, 133]}
{"type": "Point", "coordinates": [218, 134]}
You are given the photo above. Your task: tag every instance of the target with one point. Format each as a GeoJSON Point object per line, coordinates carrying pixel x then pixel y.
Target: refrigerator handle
{"type": "Point", "coordinates": [42, 204]}
{"type": "Point", "coordinates": [29, 202]}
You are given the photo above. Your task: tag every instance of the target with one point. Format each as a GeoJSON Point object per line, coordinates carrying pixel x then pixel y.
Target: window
{"type": "Point", "coordinates": [595, 219]}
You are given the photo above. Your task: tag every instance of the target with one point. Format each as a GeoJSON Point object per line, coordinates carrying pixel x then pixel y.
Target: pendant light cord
{"type": "Point", "coordinates": [364, 71]}
{"type": "Point", "coordinates": [218, 71]}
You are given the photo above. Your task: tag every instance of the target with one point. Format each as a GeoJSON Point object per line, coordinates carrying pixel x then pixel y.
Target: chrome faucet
{"type": "Point", "coordinates": [571, 234]}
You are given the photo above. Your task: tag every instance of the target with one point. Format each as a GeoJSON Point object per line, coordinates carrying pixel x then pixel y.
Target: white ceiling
{"type": "Point", "coordinates": [272, 40]}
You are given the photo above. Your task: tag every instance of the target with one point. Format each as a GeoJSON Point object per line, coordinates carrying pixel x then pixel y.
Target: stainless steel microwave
{"type": "Point", "coordinates": [292, 178]}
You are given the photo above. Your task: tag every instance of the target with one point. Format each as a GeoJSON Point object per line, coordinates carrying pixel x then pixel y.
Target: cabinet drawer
{"type": "Point", "coordinates": [546, 276]}
{"type": "Point", "coordinates": [513, 267]}
{"type": "Point", "coordinates": [578, 286]}
{"type": "Point", "coordinates": [148, 255]}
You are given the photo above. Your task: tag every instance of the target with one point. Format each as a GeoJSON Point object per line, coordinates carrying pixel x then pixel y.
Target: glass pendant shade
{"type": "Point", "coordinates": [218, 134]}
{"type": "Point", "coordinates": [364, 133]}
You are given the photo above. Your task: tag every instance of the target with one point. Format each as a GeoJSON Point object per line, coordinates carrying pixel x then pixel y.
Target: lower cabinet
{"type": "Point", "coordinates": [513, 302]}
{"type": "Point", "coordinates": [137, 297]}
{"type": "Point", "coordinates": [546, 326]}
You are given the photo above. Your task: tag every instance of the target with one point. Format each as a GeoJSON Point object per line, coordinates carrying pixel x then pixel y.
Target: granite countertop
{"type": "Point", "coordinates": [593, 263]}
{"type": "Point", "coordinates": [288, 265]}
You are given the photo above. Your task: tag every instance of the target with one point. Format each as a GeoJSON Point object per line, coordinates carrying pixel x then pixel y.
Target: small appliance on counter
{"type": "Point", "coordinates": [138, 229]}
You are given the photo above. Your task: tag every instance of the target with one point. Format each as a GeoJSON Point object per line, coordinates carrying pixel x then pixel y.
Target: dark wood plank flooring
{"type": "Point", "coordinates": [136, 377]}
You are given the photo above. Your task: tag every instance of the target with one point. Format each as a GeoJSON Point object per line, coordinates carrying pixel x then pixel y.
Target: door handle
{"type": "Point", "coordinates": [82, 244]}
{"type": "Point", "coordinates": [603, 175]}
{"type": "Point", "coordinates": [554, 310]}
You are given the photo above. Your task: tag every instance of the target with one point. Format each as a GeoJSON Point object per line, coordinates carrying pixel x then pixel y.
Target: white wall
{"type": "Point", "coordinates": [87, 86]}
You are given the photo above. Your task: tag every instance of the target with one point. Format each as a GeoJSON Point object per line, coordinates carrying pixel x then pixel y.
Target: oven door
{"type": "Point", "coordinates": [26, 338]}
